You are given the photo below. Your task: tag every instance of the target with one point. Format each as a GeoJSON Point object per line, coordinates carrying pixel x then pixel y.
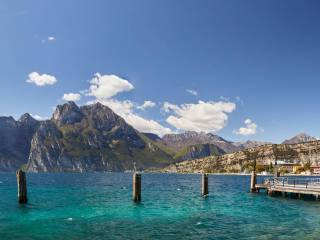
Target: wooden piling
{"type": "Point", "coordinates": [205, 185]}
{"type": "Point", "coordinates": [22, 186]}
{"type": "Point", "coordinates": [253, 182]}
{"type": "Point", "coordinates": [136, 187]}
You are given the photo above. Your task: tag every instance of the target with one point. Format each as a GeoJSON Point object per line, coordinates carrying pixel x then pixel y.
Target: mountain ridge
{"type": "Point", "coordinates": [91, 138]}
{"type": "Point", "coordinates": [300, 138]}
{"type": "Point", "coordinates": [94, 138]}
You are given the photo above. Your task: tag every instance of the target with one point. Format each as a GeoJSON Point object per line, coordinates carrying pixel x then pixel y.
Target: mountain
{"type": "Point", "coordinates": [250, 144]}
{"type": "Point", "coordinates": [302, 153]}
{"type": "Point", "coordinates": [191, 138]}
{"type": "Point", "coordinates": [300, 138]}
{"type": "Point", "coordinates": [198, 151]}
{"type": "Point", "coordinates": [192, 145]}
{"type": "Point", "coordinates": [152, 136]}
{"type": "Point", "coordinates": [15, 141]}
{"type": "Point", "coordinates": [94, 138]}
{"type": "Point", "coordinates": [91, 138]}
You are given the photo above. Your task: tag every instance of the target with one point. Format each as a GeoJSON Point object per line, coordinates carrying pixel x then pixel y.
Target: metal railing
{"type": "Point", "coordinates": [293, 182]}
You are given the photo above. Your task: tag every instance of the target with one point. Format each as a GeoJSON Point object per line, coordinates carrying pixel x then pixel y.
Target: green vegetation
{"type": "Point", "coordinates": [203, 150]}
{"type": "Point", "coordinates": [160, 145]}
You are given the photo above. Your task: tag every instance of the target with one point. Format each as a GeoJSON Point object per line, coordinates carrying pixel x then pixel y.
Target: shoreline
{"type": "Point", "coordinates": [181, 173]}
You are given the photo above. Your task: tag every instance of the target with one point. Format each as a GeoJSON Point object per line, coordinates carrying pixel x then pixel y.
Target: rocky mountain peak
{"type": "Point", "coordinates": [197, 136]}
{"type": "Point", "coordinates": [250, 144]}
{"type": "Point", "coordinates": [100, 113]}
{"type": "Point", "coordinates": [28, 120]}
{"type": "Point", "coordinates": [67, 113]}
{"type": "Point", "coordinates": [181, 140]}
{"type": "Point", "coordinates": [7, 122]}
{"type": "Point", "coordinates": [25, 117]}
{"type": "Point", "coordinates": [300, 138]}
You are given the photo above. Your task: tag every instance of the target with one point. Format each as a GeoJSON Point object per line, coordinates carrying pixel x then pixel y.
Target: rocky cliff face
{"type": "Point", "coordinates": [15, 138]}
{"type": "Point", "coordinates": [91, 138]}
{"type": "Point", "coordinates": [234, 162]}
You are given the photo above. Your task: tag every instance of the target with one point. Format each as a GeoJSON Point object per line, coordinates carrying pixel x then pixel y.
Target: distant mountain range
{"type": "Point", "coordinates": [193, 145]}
{"type": "Point", "coordinates": [306, 154]}
{"type": "Point", "coordinates": [300, 138]}
{"type": "Point", "coordinates": [94, 138]}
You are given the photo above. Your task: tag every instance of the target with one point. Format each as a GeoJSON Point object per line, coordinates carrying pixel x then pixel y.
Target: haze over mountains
{"type": "Point", "coordinates": [94, 138]}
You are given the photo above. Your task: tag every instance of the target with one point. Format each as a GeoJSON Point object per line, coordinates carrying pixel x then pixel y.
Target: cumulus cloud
{"type": "Point", "coordinates": [202, 116]}
{"type": "Point", "coordinates": [192, 92]}
{"type": "Point", "coordinates": [41, 79]}
{"type": "Point", "coordinates": [106, 86]}
{"type": "Point", "coordinates": [126, 110]}
{"type": "Point", "coordinates": [147, 104]}
{"type": "Point", "coordinates": [71, 97]}
{"type": "Point", "coordinates": [50, 38]}
{"type": "Point", "coordinates": [250, 128]}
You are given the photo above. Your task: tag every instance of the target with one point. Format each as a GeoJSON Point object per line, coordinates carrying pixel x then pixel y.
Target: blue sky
{"type": "Point", "coordinates": [257, 60]}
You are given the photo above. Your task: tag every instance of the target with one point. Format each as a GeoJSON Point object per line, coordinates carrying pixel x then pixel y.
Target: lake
{"type": "Point", "coordinates": [99, 206]}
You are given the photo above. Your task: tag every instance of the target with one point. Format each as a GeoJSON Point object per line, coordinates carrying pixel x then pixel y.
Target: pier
{"type": "Point", "coordinates": [291, 186]}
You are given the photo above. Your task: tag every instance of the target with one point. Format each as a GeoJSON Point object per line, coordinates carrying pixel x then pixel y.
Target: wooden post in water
{"type": "Point", "coordinates": [205, 185]}
{"type": "Point", "coordinates": [276, 169]}
{"type": "Point", "coordinates": [22, 186]}
{"type": "Point", "coordinates": [253, 182]}
{"type": "Point", "coordinates": [136, 187]}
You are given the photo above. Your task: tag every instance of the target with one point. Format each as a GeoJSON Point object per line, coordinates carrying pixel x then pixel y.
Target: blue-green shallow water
{"type": "Point", "coordinates": [99, 206]}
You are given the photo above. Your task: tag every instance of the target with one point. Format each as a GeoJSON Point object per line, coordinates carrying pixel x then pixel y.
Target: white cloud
{"type": "Point", "coordinates": [71, 97]}
{"type": "Point", "coordinates": [192, 92]}
{"type": "Point", "coordinates": [249, 129]}
{"type": "Point", "coordinates": [147, 104]}
{"type": "Point", "coordinates": [48, 39]}
{"type": "Point", "coordinates": [167, 107]}
{"type": "Point", "coordinates": [126, 110]}
{"type": "Point", "coordinates": [37, 117]}
{"type": "Point", "coordinates": [41, 79]}
{"type": "Point", "coordinates": [106, 86]}
{"type": "Point", "coordinates": [201, 117]}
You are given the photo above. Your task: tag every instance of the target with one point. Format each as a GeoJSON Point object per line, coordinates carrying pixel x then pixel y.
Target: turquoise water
{"type": "Point", "coordinates": [99, 206]}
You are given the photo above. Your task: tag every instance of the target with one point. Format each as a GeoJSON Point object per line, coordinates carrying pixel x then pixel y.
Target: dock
{"type": "Point", "coordinates": [290, 186]}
